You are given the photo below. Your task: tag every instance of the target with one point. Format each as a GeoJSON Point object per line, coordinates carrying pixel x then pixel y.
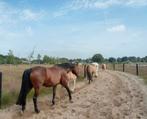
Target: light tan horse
{"type": "Point", "coordinates": [90, 72]}
{"type": "Point", "coordinates": [74, 72]}
{"type": "Point", "coordinates": [72, 79]}
{"type": "Point", "coordinates": [97, 68]}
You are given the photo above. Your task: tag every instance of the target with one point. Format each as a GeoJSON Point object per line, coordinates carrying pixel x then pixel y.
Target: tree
{"type": "Point", "coordinates": [63, 60]}
{"type": "Point", "coordinates": [45, 59]}
{"type": "Point", "coordinates": [2, 59]}
{"type": "Point", "coordinates": [138, 59]}
{"type": "Point", "coordinates": [49, 60]}
{"type": "Point", "coordinates": [119, 60]}
{"type": "Point", "coordinates": [124, 59]}
{"type": "Point", "coordinates": [10, 58]}
{"type": "Point", "coordinates": [132, 59]}
{"type": "Point", "coordinates": [98, 58]}
{"type": "Point", "coordinates": [144, 59]}
{"type": "Point", "coordinates": [112, 60]}
{"type": "Point", "coordinates": [31, 56]}
{"type": "Point", "coordinates": [39, 58]}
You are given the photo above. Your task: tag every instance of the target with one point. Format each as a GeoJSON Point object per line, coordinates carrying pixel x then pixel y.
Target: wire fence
{"type": "Point", "coordinates": [136, 69]}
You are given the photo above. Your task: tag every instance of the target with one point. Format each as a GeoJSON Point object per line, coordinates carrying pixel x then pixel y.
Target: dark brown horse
{"type": "Point", "coordinates": [40, 76]}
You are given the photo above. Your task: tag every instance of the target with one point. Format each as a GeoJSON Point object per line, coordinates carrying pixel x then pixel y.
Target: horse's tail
{"type": "Point", "coordinates": [89, 73]}
{"type": "Point", "coordinates": [26, 86]}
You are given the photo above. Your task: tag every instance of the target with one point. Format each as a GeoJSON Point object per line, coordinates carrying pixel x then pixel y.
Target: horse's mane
{"type": "Point", "coordinates": [65, 65]}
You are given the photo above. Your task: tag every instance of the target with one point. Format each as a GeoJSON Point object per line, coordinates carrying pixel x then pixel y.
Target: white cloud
{"type": "Point", "coordinates": [29, 30]}
{"type": "Point", "coordinates": [59, 13]}
{"type": "Point", "coordinates": [101, 4]}
{"type": "Point", "coordinates": [29, 15]}
{"type": "Point", "coordinates": [97, 4]}
{"type": "Point", "coordinates": [11, 15]}
{"type": "Point", "coordinates": [106, 4]}
{"type": "Point", "coordinates": [7, 13]}
{"type": "Point", "coordinates": [117, 28]}
{"type": "Point", "coordinates": [137, 3]}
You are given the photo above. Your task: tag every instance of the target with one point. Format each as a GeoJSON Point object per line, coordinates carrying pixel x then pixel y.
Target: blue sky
{"type": "Point", "coordinates": [74, 28]}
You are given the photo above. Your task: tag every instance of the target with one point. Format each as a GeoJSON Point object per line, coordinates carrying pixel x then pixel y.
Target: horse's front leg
{"type": "Point", "coordinates": [54, 94]}
{"type": "Point", "coordinates": [71, 86]}
{"type": "Point", "coordinates": [35, 100]}
{"type": "Point", "coordinates": [89, 81]}
{"type": "Point", "coordinates": [74, 85]}
{"type": "Point", "coordinates": [65, 85]}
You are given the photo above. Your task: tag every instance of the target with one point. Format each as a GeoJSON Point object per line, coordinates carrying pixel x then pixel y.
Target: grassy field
{"type": "Point", "coordinates": [131, 68]}
{"type": "Point", "coordinates": [11, 82]}
{"type": "Point", "coordinates": [12, 77]}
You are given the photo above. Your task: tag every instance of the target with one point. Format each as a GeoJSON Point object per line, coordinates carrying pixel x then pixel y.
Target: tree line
{"type": "Point", "coordinates": [10, 58]}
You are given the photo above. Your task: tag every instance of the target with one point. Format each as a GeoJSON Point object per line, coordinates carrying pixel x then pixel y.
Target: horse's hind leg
{"type": "Point", "coordinates": [24, 99]}
{"type": "Point", "coordinates": [54, 94]}
{"type": "Point", "coordinates": [35, 100]}
{"type": "Point", "coordinates": [89, 77]}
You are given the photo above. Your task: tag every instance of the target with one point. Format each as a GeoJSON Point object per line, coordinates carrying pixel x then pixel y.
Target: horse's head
{"type": "Point", "coordinates": [77, 69]}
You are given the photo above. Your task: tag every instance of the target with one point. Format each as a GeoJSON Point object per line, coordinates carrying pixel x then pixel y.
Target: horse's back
{"type": "Point", "coordinates": [91, 68]}
{"type": "Point", "coordinates": [56, 74]}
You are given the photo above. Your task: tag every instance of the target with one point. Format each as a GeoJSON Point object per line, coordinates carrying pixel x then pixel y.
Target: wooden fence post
{"type": "Point", "coordinates": [114, 66]}
{"type": "Point", "coordinates": [0, 89]}
{"type": "Point", "coordinates": [137, 69]}
{"type": "Point", "coordinates": [123, 67]}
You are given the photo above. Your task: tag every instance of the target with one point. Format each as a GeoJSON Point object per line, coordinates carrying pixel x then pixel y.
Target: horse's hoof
{"type": "Point", "coordinates": [37, 111]}
{"type": "Point", "coordinates": [70, 101]}
{"type": "Point", "coordinates": [53, 105]}
{"type": "Point", "coordinates": [72, 91]}
{"type": "Point", "coordinates": [21, 112]}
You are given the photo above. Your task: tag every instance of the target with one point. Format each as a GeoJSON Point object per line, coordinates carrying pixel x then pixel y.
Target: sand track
{"type": "Point", "coordinates": [113, 95]}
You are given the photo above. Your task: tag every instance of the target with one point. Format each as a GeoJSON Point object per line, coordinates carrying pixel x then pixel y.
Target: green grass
{"type": "Point", "coordinates": [9, 99]}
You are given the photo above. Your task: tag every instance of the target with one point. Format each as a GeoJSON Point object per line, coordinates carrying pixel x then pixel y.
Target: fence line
{"type": "Point", "coordinates": [0, 89]}
{"type": "Point", "coordinates": [136, 69]}
{"type": "Point", "coordinates": [123, 67]}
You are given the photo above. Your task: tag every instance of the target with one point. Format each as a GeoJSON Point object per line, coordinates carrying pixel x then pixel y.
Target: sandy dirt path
{"type": "Point", "coordinates": [113, 95]}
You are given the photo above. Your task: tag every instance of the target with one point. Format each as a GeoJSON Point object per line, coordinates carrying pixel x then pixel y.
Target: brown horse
{"type": "Point", "coordinates": [40, 76]}
{"type": "Point", "coordinates": [104, 67]}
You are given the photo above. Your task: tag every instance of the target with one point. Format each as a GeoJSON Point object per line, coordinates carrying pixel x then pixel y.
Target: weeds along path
{"type": "Point", "coordinates": [113, 95]}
